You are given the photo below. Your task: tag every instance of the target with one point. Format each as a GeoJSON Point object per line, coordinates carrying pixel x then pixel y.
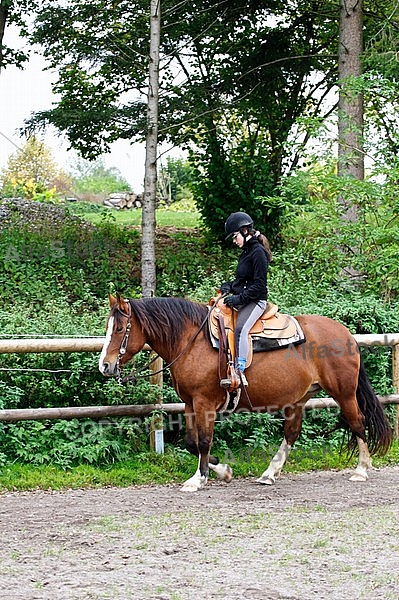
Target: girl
{"type": "Point", "coordinates": [249, 288]}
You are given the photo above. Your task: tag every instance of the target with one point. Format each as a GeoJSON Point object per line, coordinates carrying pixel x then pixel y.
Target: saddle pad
{"type": "Point", "coordinates": [266, 342]}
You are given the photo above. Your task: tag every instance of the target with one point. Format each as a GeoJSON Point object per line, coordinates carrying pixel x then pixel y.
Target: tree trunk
{"type": "Point", "coordinates": [4, 7]}
{"type": "Point", "coordinates": [350, 120]}
{"type": "Point", "coordinates": [148, 262]}
{"type": "Point", "coordinates": [350, 105]}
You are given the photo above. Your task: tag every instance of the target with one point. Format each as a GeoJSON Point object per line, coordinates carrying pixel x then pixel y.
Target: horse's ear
{"type": "Point", "coordinates": [112, 300]}
{"type": "Point", "coordinates": [122, 304]}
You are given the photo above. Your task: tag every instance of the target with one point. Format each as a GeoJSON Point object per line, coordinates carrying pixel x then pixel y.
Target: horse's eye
{"type": "Point", "coordinates": [119, 329]}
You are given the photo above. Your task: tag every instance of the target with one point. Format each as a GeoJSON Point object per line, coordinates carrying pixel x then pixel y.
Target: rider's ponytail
{"type": "Point", "coordinates": [262, 239]}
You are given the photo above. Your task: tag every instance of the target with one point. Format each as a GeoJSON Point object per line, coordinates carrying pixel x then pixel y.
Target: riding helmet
{"type": "Point", "coordinates": [237, 221]}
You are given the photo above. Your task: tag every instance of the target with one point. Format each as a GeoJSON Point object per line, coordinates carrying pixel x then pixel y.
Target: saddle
{"type": "Point", "coordinates": [272, 331]}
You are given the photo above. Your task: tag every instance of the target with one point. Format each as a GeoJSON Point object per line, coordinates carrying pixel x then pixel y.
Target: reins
{"type": "Point", "coordinates": [136, 374]}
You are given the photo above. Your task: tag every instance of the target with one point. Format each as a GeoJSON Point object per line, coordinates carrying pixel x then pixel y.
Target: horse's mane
{"type": "Point", "coordinates": [166, 318]}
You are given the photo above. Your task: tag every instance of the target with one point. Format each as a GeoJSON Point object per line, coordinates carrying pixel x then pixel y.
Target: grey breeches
{"type": "Point", "coordinates": [247, 315]}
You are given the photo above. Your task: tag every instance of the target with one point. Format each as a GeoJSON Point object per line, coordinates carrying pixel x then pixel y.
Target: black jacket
{"type": "Point", "coordinates": [250, 284]}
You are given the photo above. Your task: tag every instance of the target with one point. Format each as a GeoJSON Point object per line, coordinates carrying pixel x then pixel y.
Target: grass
{"type": "Point", "coordinates": [164, 217]}
{"type": "Point", "coordinates": [175, 466]}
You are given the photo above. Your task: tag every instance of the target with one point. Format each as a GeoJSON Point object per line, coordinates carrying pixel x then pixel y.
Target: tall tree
{"type": "Point", "coordinates": [235, 86]}
{"type": "Point", "coordinates": [148, 262]}
{"type": "Point", "coordinates": [350, 106]}
{"type": "Point", "coordinates": [222, 64]}
{"type": "Point", "coordinates": [350, 117]}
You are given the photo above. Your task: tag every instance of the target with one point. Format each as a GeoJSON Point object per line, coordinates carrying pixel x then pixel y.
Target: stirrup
{"type": "Point", "coordinates": [242, 379]}
{"type": "Point", "coordinates": [225, 383]}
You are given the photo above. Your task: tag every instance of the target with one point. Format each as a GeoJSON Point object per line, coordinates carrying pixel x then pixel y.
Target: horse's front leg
{"type": "Point", "coordinates": [200, 425]}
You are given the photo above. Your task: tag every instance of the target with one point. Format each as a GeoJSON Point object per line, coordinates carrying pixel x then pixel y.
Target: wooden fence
{"type": "Point", "coordinates": [94, 344]}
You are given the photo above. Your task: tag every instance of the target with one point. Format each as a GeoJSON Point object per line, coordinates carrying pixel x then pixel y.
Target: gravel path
{"type": "Point", "coordinates": [313, 535]}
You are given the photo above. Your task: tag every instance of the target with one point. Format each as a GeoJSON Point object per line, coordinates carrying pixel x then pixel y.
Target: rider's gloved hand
{"type": "Point", "coordinates": [232, 301]}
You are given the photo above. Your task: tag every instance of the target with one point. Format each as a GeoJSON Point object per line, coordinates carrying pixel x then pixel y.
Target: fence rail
{"type": "Point", "coordinates": [94, 344]}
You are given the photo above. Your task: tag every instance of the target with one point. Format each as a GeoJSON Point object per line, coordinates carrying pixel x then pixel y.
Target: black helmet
{"type": "Point", "coordinates": [236, 221]}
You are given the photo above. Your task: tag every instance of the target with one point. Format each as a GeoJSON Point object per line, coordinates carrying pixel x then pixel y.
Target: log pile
{"type": "Point", "coordinates": [123, 200]}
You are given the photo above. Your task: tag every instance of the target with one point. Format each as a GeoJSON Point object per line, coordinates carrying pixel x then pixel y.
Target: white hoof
{"type": "Point", "coordinates": [359, 476]}
{"type": "Point", "coordinates": [228, 475]}
{"type": "Point", "coordinates": [190, 487]}
{"type": "Point", "coordinates": [266, 480]}
{"type": "Point", "coordinates": [195, 483]}
{"type": "Point", "coordinates": [223, 471]}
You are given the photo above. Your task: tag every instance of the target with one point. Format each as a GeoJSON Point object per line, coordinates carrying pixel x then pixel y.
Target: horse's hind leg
{"type": "Point", "coordinates": [292, 428]}
{"type": "Point", "coordinates": [364, 462]}
{"type": "Point", "coordinates": [355, 421]}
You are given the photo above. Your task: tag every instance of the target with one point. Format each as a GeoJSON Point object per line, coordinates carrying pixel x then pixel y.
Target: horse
{"type": "Point", "coordinates": [283, 379]}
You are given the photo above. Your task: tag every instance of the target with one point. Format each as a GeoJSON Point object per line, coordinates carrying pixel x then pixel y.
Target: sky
{"type": "Point", "coordinates": [23, 92]}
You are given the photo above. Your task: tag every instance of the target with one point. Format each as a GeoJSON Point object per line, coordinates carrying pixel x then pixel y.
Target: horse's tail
{"type": "Point", "coordinates": [378, 431]}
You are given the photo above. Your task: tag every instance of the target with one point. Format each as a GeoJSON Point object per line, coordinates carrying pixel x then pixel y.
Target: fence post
{"type": "Point", "coordinates": [156, 422]}
{"type": "Point", "coordinates": [395, 381]}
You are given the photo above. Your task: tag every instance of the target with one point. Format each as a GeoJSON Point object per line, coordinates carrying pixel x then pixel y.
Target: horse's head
{"type": "Point", "coordinates": [123, 338]}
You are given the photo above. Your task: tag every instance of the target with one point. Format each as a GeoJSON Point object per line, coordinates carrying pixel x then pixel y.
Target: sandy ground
{"type": "Point", "coordinates": [314, 535]}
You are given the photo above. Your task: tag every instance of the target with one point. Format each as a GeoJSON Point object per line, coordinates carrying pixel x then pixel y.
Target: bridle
{"type": "Point", "coordinates": [123, 347]}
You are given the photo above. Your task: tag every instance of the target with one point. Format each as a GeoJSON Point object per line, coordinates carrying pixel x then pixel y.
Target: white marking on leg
{"type": "Point", "coordinates": [364, 462]}
{"type": "Point", "coordinates": [104, 350]}
{"type": "Point", "coordinates": [268, 477]}
{"type": "Point", "coordinates": [196, 482]}
{"type": "Point", "coordinates": [223, 471]}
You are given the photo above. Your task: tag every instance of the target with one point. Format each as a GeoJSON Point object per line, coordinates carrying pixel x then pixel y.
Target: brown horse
{"type": "Point", "coordinates": [282, 379]}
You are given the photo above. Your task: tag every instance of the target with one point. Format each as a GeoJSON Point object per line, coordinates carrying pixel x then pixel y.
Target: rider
{"type": "Point", "coordinates": [249, 288]}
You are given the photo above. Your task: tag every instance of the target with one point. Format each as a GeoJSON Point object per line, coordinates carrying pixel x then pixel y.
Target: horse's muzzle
{"type": "Point", "coordinates": [107, 369]}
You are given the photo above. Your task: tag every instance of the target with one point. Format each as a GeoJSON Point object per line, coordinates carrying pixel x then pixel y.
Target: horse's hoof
{"type": "Point", "coordinates": [359, 477]}
{"type": "Point", "coordinates": [190, 488]}
{"type": "Point", "coordinates": [266, 480]}
{"type": "Point", "coordinates": [228, 475]}
{"type": "Point", "coordinates": [195, 483]}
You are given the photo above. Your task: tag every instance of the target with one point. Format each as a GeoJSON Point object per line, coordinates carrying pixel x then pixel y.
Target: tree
{"type": "Point", "coordinates": [234, 67]}
{"type": "Point", "coordinates": [148, 261]}
{"type": "Point", "coordinates": [235, 87]}
{"type": "Point", "coordinates": [350, 106]}
{"type": "Point", "coordinates": [15, 12]}
{"type": "Point", "coordinates": [32, 171]}
{"type": "Point", "coordinates": [175, 180]}
{"type": "Point", "coordinates": [380, 90]}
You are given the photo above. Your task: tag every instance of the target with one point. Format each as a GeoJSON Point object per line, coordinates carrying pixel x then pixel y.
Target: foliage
{"type": "Point", "coordinates": [65, 443]}
{"type": "Point", "coordinates": [90, 179]}
{"type": "Point", "coordinates": [175, 181]}
{"type": "Point", "coordinates": [316, 237]}
{"type": "Point", "coordinates": [234, 180]}
{"type": "Point", "coordinates": [32, 173]}
{"type": "Point", "coordinates": [236, 104]}
{"type": "Point", "coordinates": [16, 13]}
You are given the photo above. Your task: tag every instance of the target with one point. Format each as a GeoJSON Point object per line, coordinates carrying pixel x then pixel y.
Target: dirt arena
{"type": "Point", "coordinates": [314, 535]}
